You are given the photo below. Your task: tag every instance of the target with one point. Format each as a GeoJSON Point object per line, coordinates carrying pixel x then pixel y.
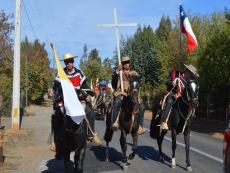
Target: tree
{"type": "Point", "coordinates": [94, 54]}
{"type": "Point", "coordinates": [6, 60]}
{"type": "Point", "coordinates": [83, 59]}
{"type": "Point", "coordinates": [164, 29]}
{"type": "Point", "coordinates": [39, 72]}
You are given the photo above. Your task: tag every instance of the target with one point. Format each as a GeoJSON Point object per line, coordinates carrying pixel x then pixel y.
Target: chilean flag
{"type": "Point", "coordinates": [186, 28]}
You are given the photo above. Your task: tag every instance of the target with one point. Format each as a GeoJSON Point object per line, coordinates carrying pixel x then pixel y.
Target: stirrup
{"type": "Point", "coordinates": [164, 126]}
{"type": "Point", "coordinates": [115, 126]}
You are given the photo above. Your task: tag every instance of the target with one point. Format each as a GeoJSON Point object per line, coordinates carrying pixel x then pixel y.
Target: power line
{"type": "Point", "coordinates": [28, 18]}
{"type": "Point", "coordinates": [39, 14]}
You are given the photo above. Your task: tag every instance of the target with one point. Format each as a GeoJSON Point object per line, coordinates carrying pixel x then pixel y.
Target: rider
{"type": "Point", "coordinates": [117, 93]}
{"type": "Point", "coordinates": [78, 80]}
{"type": "Point", "coordinates": [172, 83]}
{"type": "Point", "coordinates": [102, 84]}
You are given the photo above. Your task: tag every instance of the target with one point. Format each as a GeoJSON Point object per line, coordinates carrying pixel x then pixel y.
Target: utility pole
{"type": "Point", "coordinates": [16, 75]}
{"type": "Point", "coordinates": [53, 64]}
{"type": "Point", "coordinates": [26, 85]}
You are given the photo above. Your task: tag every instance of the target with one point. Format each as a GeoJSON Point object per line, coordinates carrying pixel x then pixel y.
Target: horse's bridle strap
{"type": "Point", "coordinates": [133, 115]}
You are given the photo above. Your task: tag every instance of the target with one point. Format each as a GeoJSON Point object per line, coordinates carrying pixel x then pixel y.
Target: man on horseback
{"type": "Point", "coordinates": [118, 94]}
{"type": "Point", "coordinates": [78, 80]}
{"type": "Point", "coordinates": [173, 89]}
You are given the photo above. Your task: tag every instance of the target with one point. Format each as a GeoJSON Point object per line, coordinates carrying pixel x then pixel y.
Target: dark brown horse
{"type": "Point", "coordinates": [129, 120]}
{"type": "Point", "coordinates": [180, 121]}
{"type": "Point", "coordinates": [102, 103]}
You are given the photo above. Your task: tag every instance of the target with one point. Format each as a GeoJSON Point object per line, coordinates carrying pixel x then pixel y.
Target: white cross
{"type": "Point", "coordinates": [118, 47]}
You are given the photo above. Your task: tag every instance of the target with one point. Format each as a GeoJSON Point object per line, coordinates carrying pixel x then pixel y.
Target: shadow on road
{"type": "Point", "coordinates": [114, 160]}
{"type": "Point", "coordinates": [147, 152]}
{"type": "Point", "coordinates": [57, 166]}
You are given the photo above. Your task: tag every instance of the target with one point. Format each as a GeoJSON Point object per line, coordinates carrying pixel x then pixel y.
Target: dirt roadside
{"type": "Point", "coordinates": [24, 149]}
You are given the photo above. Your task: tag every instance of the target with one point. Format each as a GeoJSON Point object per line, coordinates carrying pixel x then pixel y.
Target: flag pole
{"type": "Point", "coordinates": [180, 47]}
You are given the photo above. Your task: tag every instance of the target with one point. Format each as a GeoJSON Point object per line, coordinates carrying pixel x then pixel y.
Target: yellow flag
{"type": "Point", "coordinates": [91, 84]}
{"type": "Point", "coordinates": [72, 105]}
{"type": "Point", "coordinates": [97, 80]}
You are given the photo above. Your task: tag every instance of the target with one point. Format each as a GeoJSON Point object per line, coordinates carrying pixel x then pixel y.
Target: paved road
{"type": "Point", "coordinates": [205, 154]}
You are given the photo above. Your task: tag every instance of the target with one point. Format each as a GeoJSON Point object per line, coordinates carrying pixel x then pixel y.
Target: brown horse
{"type": "Point", "coordinates": [103, 102]}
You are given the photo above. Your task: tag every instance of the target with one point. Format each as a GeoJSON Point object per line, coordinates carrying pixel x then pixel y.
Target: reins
{"type": "Point", "coordinates": [133, 114]}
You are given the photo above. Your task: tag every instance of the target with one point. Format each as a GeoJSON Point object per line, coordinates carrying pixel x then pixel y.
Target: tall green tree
{"type": "Point", "coordinates": [6, 60]}
{"type": "Point", "coordinates": [164, 29]}
{"type": "Point", "coordinates": [83, 59]}
{"type": "Point", "coordinates": [94, 54]}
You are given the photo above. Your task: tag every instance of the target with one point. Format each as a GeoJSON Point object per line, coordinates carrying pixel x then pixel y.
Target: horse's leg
{"type": "Point", "coordinates": [79, 159]}
{"type": "Point", "coordinates": [135, 147]}
{"type": "Point", "coordinates": [187, 146]}
{"type": "Point", "coordinates": [66, 156]}
{"type": "Point", "coordinates": [173, 147]}
{"type": "Point", "coordinates": [107, 151]}
{"type": "Point", "coordinates": [159, 142]}
{"type": "Point", "coordinates": [105, 112]}
{"type": "Point", "coordinates": [123, 148]}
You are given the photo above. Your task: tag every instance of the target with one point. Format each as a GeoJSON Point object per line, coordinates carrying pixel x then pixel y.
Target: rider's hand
{"type": "Point", "coordinates": [175, 82]}
{"type": "Point", "coordinates": [119, 67]}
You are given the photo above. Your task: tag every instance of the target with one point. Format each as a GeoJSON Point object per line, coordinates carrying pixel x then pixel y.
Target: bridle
{"type": "Point", "coordinates": [188, 97]}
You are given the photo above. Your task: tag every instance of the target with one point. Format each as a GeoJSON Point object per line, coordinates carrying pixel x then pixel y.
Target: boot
{"type": "Point", "coordinates": [116, 109]}
{"type": "Point", "coordinates": [58, 154]}
{"type": "Point", "coordinates": [163, 125]}
{"type": "Point", "coordinates": [141, 130]}
{"type": "Point", "coordinates": [53, 147]}
{"type": "Point", "coordinates": [142, 112]}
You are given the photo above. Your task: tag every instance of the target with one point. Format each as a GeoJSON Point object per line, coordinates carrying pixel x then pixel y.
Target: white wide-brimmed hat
{"type": "Point", "coordinates": [68, 56]}
{"type": "Point", "coordinates": [192, 69]}
{"type": "Point", "coordinates": [126, 58]}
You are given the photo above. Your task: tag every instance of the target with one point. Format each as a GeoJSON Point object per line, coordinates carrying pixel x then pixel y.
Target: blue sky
{"type": "Point", "coordinates": [70, 24]}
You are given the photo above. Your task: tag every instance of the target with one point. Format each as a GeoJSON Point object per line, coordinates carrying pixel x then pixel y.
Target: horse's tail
{"type": "Point", "coordinates": [108, 132]}
{"type": "Point", "coordinates": [52, 131]}
{"type": "Point", "coordinates": [154, 128]}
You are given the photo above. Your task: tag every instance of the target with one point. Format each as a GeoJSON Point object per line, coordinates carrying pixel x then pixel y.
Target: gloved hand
{"type": "Point", "coordinates": [175, 82]}
{"type": "Point", "coordinates": [77, 88]}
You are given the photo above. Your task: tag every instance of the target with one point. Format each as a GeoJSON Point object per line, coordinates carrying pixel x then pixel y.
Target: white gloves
{"type": "Point", "coordinates": [174, 83]}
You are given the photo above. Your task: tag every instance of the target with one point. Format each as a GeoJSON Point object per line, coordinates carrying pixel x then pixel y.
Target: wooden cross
{"type": "Point", "coordinates": [116, 25]}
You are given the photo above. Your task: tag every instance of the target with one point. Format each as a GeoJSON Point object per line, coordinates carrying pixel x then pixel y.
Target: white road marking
{"type": "Point", "coordinates": [194, 149]}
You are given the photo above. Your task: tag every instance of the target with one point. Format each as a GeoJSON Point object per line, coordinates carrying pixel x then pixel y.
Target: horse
{"type": "Point", "coordinates": [69, 137]}
{"type": "Point", "coordinates": [129, 120]}
{"type": "Point", "coordinates": [180, 120]}
{"type": "Point", "coordinates": [102, 103]}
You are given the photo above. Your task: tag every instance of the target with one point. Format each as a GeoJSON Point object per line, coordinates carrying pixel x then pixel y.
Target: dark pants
{"type": "Point", "coordinates": [91, 117]}
{"type": "Point", "coordinates": [169, 102]}
{"type": "Point", "coordinates": [116, 108]}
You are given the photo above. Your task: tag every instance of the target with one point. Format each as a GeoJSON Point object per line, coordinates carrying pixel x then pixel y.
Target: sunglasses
{"type": "Point", "coordinates": [68, 61]}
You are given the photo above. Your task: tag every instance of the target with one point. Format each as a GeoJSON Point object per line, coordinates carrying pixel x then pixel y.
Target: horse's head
{"type": "Point", "coordinates": [92, 101]}
{"type": "Point", "coordinates": [134, 88]}
{"type": "Point", "coordinates": [104, 94]}
{"type": "Point", "coordinates": [192, 92]}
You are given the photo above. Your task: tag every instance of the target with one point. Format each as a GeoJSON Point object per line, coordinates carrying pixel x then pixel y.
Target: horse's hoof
{"type": "Point", "coordinates": [162, 160]}
{"type": "Point", "coordinates": [131, 157]}
{"type": "Point", "coordinates": [189, 169]}
{"type": "Point", "coordinates": [125, 168]}
{"type": "Point", "coordinates": [173, 166]}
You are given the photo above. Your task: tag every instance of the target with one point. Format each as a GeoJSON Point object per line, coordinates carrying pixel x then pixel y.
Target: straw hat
{"type": "Point", "coordinates": [126, 58]}
{"type": "Point", "coordinates": [68, 56]}
{"type": "Point", "coordinates": [192, 69]}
